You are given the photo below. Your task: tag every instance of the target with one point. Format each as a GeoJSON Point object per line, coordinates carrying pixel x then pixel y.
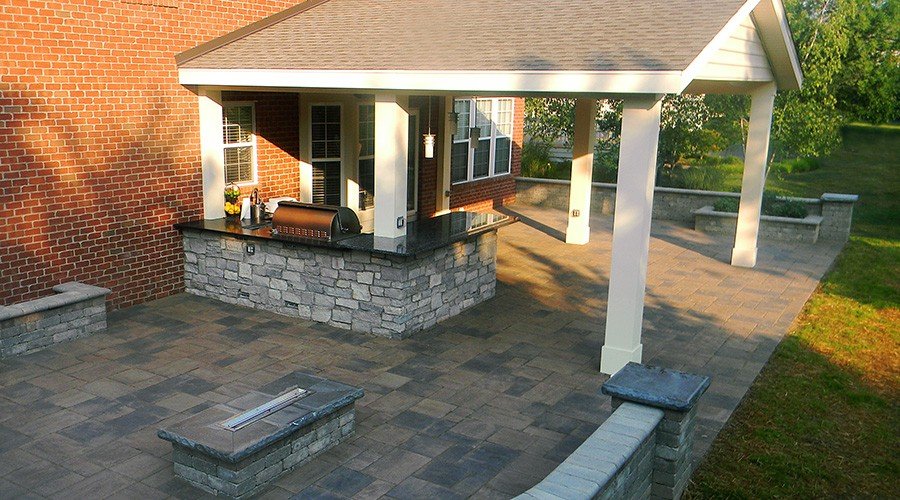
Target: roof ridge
{"type": "Point", "coordinates": [216, 43]}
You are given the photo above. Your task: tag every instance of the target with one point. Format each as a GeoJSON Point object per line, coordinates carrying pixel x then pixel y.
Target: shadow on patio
{"type": "Point", "coordinates": [484, 404]}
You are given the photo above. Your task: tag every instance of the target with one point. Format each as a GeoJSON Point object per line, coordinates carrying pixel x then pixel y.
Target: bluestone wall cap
{"type": "Point", "coordinates": [657, 387]}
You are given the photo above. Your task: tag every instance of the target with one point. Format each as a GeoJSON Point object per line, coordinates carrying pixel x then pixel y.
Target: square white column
{"type": "Point", "coordinates": [756, 158]}
{"type": "Point", "coordinates": [578, 231]}
{"type": "Point", "coordinates": [212, 153]}
{"type": "Point", "coordinates": [631, 232]}
{"type": "Point", "coordinates": [391, 157]}
{"type": "Point", "coordinates": [445, 137]}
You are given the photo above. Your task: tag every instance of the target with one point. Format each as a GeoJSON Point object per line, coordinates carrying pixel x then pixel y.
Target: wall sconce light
{"type": "Point", "coordinates": [474, 136]}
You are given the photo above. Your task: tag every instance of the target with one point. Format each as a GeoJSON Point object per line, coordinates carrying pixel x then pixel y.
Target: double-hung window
{"type": "Point", "coordinates": [491, 156]}
{"type": "Point", "coordinates": [367, 156]}
{"type": "Point", "coordinates": [239, 140]}
{"type": "Point", "coordinates": [326, 153]}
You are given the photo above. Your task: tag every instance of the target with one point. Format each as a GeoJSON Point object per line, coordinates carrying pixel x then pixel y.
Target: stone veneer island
{"type": "Point", "coordinates": [445, 265]}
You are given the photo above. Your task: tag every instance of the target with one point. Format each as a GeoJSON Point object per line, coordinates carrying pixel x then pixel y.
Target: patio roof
{"type": "Point", "coordinates": [612, 46]}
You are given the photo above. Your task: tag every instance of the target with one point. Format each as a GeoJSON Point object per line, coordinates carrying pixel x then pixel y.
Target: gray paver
{"type": "Point", "coordinates": [501, 394]}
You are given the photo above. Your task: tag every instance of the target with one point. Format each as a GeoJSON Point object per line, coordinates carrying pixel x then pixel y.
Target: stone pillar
{"type": "Point", "coordinates": [676, 393]}
{"type": "Point", "coordinates": [837, 216]}
{"type": "Point", "coordinates": [756, 157]}
{"type": "Point", "coordinates": [631, 232]}
{"type": "Point", "coordinates": [579, 231]}
{"type": "Point", "coordinates": [212, 153]}
{"type": "Point", "coordinates": [391, 151]}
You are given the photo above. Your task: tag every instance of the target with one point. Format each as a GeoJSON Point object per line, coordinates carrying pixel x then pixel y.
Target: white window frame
{"type": "Point", "coordinates": [495, 110]}
{"type": "Point", "coordinates": [313, 159]}
{"type": "Point", "coordinates": [252, 144]}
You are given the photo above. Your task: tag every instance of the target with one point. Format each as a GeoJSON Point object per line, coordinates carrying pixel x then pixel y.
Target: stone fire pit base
{"type": "Point", "coordinates": [242, 463]}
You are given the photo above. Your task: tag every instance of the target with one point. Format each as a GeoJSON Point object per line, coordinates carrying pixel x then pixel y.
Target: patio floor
{"type": "Point", "coordinates": [484, 404]}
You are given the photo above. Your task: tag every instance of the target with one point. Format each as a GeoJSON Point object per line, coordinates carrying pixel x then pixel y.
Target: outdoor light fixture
{"type": "Point", "coordinates": [429, 137]}
{"type": "Point", "coordinates": [474, 136]}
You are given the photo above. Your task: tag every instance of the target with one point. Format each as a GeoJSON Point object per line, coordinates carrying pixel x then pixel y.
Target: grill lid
{"type": "Point", "coordinates": [320, 222]}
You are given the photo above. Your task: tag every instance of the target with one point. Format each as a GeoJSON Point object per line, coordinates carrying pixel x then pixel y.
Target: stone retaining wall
{"type": "Point", "coordinates": [385, 295]}
{"type": "Point", "coordinates": [252, 474]}
{"type": "Point", "coordinates": [77, 310]}
{"type": "Point", "coordinates": [807, 230]}
{"type": "Point", "coordinates": [643, 449]}
{"type": "Point", "coordinates": [679, 204]}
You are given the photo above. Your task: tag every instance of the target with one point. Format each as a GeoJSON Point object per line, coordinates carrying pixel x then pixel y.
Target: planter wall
{"type": "Point", "coordinates": [806, 230]}
{"type": "Point", "coordinates": [836, 210]}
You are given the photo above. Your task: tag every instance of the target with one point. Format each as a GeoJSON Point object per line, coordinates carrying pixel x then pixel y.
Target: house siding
{"type": "Point", "coordinates": [99, 143]}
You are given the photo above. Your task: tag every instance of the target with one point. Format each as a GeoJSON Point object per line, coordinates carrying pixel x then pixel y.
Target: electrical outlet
{"type": "Point", "coordinates": [251, 249]}
{"type": "Point", "coordinates": [576, 213]}
{"type": "Point", "coordinates": [401, 221]}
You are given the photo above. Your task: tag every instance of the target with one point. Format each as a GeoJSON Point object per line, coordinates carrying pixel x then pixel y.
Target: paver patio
{"type": "Point", "coordinates": [484, 404]}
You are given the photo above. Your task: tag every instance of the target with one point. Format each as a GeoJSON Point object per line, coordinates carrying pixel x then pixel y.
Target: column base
{"type": "Point", "coordinates": [612, 359]}
{"type": "Point", "coordinates": [743, 257]}
{"type": "Point", "coordinates": [577, 234]}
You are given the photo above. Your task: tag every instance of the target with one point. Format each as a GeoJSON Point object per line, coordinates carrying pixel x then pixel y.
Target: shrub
{"type": "Point", "coordinates": [706, 178]}
{"type": "Point", "coordinates": [727, 205]}
{"type": "Point", "coordinates": [536, 162]}
{"type": "Point", "coordinates": [772, 205]}
{"type": "Point", "coordinates": [796, 165]}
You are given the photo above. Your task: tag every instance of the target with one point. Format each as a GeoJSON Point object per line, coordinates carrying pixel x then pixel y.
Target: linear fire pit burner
{"type": "Point", "coordinates": [262, 411]}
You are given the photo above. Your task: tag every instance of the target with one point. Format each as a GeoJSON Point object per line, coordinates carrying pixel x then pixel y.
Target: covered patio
{"type": "Point", "coordinates": [484, 404]}
{"type": "Point", "coordinates": [588, 51]}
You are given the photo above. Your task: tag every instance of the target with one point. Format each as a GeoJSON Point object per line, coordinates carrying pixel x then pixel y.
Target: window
{"type": "Point", "coordinates": [239, 139]}
{"type": "Point", "coordinates": [325, 128]}
{"type": "Point", "coordinates": [494, 120]}
{"type": "Point", "coordinates": [366, 156]}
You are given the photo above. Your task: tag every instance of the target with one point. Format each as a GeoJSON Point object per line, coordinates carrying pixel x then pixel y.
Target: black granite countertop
{"type": "Point", "coordinates": [421, 236]}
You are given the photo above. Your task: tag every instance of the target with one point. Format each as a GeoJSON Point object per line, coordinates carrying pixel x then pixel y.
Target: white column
{"type": "Point", "coordinates": [442, 201]}
{"type": "Point", "coordinates": [391, 136]}
{"type": "Point", "coordinates": [212, 155]}
{"type": "Point", "coordinates": [754, 182]}
{"type": "Point", "coordinates": [631, 232]}
{"type": "Point", "coordinates": [578, 231]}
{"type": "Point", "coordinates": [305, 167]}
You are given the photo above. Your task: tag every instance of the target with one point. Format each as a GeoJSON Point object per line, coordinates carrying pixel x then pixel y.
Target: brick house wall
{"type": "Point", "coordinates": [99, 143]}
{"type": "Point", "coordinates": [277, 142]}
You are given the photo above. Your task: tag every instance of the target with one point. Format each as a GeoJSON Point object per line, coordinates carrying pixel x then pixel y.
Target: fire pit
{"type": "Point", "coordinates": [236, 449]}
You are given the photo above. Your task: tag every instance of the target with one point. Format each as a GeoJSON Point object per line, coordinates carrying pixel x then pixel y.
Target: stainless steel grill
{"type": "Point", "coordinates": [318, 222]}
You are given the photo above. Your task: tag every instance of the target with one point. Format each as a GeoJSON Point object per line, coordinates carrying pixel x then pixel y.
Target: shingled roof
{"type": "Point", "coordinates": [479, 35]}
{"type": "Point", "coordinates": [652, 43]}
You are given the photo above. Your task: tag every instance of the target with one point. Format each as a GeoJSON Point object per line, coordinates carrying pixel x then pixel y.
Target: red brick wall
{"type": "Point", "coordinates": [277, 142]}
{"type": "Point", "coordinates": [478, 195]}
{"type": "Point", "coordinates": [485, 194]}
{"type": "Point", "coordinates": [99, 144]}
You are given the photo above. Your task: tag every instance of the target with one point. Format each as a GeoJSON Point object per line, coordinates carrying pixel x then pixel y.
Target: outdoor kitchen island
{"type": "Point", "coordinates": [389, 288]}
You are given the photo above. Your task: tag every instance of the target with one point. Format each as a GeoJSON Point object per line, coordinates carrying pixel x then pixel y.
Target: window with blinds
{"type": "Point", "coordinates": [239, 140]}
{"type": "Point", "coordinates": [492, 155]}
{"type": "Point", "coordinates": [366, 156]}
{"type": "Point", "coordinates": [325, 124]}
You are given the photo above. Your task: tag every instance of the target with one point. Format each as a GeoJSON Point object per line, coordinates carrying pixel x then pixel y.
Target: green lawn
{"type": "Point", "coordinates": [822, 419]}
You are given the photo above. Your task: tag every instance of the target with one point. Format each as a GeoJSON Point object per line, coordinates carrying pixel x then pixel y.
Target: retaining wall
{"type": "Point", "coordinates": [836, 210]}
{"type": "Point", "coordinates": [76, 310]}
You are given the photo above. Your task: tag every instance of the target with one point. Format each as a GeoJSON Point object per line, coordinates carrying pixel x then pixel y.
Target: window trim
{"type": "Point", "coordinates": [252, 144]}
{"type": "Point", "coordinates": [495, 111]}
{"type": "Point", "coordinates": [312, 159]}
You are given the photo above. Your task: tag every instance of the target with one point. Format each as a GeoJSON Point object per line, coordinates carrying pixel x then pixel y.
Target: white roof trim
{"type": "Point", "coordinates": [566, 82]}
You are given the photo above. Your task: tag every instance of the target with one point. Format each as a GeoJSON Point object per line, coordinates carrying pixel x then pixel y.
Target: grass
{"type": "Point", "coordinates": [821, 419]}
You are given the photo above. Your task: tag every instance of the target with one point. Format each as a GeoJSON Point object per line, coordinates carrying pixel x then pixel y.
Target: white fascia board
{"type": "Point", "coordinates": [717, 42]}
{"type": "Point", "coordinates": [787, 40]}
{"type": "Point", "coordinates": [600, 82]}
